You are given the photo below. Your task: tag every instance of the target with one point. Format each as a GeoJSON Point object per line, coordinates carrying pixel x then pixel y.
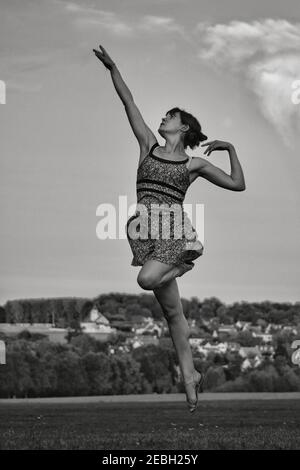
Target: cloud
{"type": "Point", "coordinates": [34, 37]}
{"type": "Point", "coordinates": [266, 54]}
{"type": "Point", "coordinates": [19, 72]}
{"type": "Point", "coordinates": [272, 82]}
{"type": "Point", "coordinates": [86, 17]}
{"type": "Point", "coordinates": [160, 23]}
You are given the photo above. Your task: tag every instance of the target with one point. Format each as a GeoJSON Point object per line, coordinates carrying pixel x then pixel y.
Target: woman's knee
{"type": "Point", "coordinates": [147, 280]}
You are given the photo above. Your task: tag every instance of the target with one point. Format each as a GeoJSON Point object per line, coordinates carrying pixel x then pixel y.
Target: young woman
{"type": "Point", "coordinates": [163, 178]}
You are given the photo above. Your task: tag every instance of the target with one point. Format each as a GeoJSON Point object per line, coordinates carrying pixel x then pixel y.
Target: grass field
{"type": "Point", "coordinates": [227, 424]}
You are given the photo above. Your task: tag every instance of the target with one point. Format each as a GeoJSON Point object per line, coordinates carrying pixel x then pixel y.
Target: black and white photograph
{"type": "Point", "coordinates": [149, 276]}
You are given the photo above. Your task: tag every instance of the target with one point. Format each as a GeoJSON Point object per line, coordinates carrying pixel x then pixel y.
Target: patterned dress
{"type": "Point", "coordinates": [160, 228]}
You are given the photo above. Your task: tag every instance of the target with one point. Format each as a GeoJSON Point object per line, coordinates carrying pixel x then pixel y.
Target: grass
{"type": "Point", "coordinates": [251, 424]}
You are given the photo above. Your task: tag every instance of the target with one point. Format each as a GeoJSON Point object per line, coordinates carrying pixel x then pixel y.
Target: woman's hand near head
{"type": "Point", "coordinates": [104, 57]}
{"type": "Point", "coordinates": [216, 145]}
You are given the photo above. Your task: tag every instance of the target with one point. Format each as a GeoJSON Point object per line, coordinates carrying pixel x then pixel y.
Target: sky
{"type": "Point", "coordinates": [67, 146]}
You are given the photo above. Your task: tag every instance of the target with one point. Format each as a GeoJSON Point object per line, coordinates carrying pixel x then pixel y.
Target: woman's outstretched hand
{"type": "Point", "coordinates": [216, 145]}
{"type": "Point", "coordinates": [104, 57]}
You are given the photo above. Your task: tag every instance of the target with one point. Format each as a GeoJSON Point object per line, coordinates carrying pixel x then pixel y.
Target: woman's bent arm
{"type": "Point", "coordinates": [235, 181]}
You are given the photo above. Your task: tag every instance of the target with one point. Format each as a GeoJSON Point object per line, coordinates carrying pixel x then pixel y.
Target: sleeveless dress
{"type": "Point", "coordinates": [160, 229]}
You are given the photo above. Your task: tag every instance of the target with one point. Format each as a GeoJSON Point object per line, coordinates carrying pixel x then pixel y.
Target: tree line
{"type": "Point", "coordinates": [36, 367]}
{"type": "Point", "coordinates": [67, 311]}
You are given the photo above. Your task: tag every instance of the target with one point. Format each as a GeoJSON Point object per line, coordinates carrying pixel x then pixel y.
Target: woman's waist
{"type": "Point", "coordinates": [164, 203]}
{"type": "Point", "coordinates": [150, 207]}
{"type": "Point", "coordinates": [163, 217]}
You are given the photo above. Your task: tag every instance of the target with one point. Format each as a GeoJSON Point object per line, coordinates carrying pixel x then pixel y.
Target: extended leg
{"type": "Point", "coordinates": [170, 302]}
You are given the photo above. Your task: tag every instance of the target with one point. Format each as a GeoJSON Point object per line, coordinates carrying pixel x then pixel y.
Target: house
{"type": "Point", "coordinates": [97, 325]}
{"type": "Point", "coordinates": [251, 363]}
{"type": "Point", "coordinates": [115, 349]}
{"type": "Point", "coordinates": [97, 317]}
{"type": "Point", "coordinates": [272, 327]}
{"type": "Point", "coordinates": [227, 329]}
{"type": "Point", "coordinates": [267, 350]}
{"type": "Point", "coordinates": [149, 328]}
{"type": "Point", "coordinates": [290, 329]}
{"type": "Point", "coordinates": [218, 348]}
{"type": "Point", "coordinates": [252, 357]}
{"type": "Point", "coordinates": [196, 342]}
{"type": "Point", "coordinates": [142, 340]}
{"type": "Point", "coordinates": [255, 330]}
{"type": "Point", "coordinates": [251, 351]}
{"type": "Point", "coordinates": [242, 325]}
{"type": "Point", "coordinates": [265, 337]}
{"type": "Point", "coordinates": [232, 346]}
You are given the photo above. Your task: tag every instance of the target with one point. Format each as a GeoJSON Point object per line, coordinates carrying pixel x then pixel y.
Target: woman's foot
{"type": "Point", "coordinates": [183, 268]}
{"type": "Point", "coordinates": [192, 387]}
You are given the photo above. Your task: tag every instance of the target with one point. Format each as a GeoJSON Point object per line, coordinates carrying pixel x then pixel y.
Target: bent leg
{"type": "Point", "coordinates": [154, 274]}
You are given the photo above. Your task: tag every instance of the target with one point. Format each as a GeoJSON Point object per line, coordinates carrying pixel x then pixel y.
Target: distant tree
{"type": "Point", "coordinates": [263, 380]}
{"type": "Point", "coordinates": [210, 307]}
{"type": "Point", "coordinates": [262, 323]}
{"type": "Point", "coordinates": [17, 358]}
{"type": "Point", "coordinates": [157, 366]}
{"type": "Point", "coordinates": [223, 315]}
{"type": "Point", "coordinates": [27, 335]}
{"type": "Point", "coordinates": [85, 343]}
{"type": "Point", "coordinates": [125, 374]}
{"type": "Point", "coordinates": [234, 362]}
{"type": "Point", "coordinates": [2, 315]}
{"type": "Point", "coordinates": [60, 320]}
{"type": "Point", "coordinates": [98, 371]}
{"type": "Point", "coordinates": [215, 377]}
{"type": "Point", "coordinates": [74, 329]}
{"type": "Point", "coordinates": [71, 376]}
{"type": "Point", "coordinates": [245, 338]}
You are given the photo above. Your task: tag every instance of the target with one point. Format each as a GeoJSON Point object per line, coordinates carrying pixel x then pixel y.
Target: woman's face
{"type": "Point", "coordinates": [170, 123]}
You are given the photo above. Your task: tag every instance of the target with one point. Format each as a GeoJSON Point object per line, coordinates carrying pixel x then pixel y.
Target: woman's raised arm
{"type": "Point", "coordinates": [140, 129]}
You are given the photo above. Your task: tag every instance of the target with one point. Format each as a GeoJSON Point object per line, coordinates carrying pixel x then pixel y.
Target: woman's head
{"type": "Point", "coordinates": [176, 119]}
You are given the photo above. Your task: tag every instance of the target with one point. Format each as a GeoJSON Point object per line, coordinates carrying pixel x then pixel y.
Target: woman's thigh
{"type": "Point", "coordinates": [155, 268]}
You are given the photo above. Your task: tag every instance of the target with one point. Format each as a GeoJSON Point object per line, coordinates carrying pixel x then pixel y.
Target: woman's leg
{"type": "Point", "coordinates": [170, 302]}
{"type": "Point", "coordinates": [154, 274]}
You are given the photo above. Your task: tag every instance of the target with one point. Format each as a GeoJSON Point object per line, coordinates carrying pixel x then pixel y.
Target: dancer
{"type": "Point", "coordinates": [163, 178]}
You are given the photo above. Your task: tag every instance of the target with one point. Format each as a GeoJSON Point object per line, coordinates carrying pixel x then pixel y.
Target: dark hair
{"type": "Point", "coordinates": [194, 135]}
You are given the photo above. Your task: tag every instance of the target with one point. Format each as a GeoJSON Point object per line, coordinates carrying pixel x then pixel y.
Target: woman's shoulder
{"type": "Point", "coordinates": [145, 150]}
{"type": "Point", "coordinates": [196, 163]}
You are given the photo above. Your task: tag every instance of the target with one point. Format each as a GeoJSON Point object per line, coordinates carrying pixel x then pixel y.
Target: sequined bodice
{"type": "Point", "coordinates": [165, 181]}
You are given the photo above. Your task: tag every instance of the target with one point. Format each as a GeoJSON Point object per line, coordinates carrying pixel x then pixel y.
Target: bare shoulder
{"type": "Point", "coordinates": [197, 163]}
{"type": "Point", "coordinates": [146, 146]}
